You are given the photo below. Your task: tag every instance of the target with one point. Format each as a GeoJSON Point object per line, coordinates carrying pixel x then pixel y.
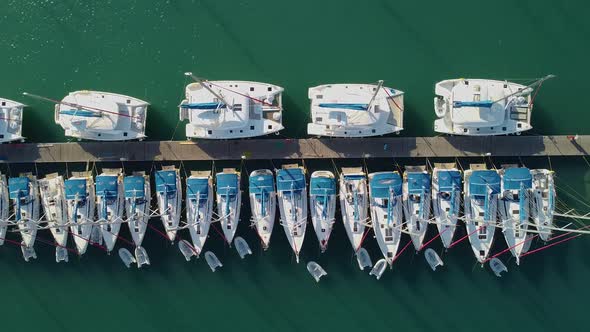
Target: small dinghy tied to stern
{"type": "Point", "coordinates": [28, 252]}
{"type": "Point", "coordinates": [212, 260]}
{"type": "Point", "coordinates": [141, 257]}
{"type": "Point", "coordinates": [126, 257]}
{"type": "Point", "coordinates": [61, 254]}
{"type": "Point", "coordinates": [316, 271]}
{"type": "Point", "coordinates": [363, 258]}
{"type": "Point", "coordinates": [433, 259]}
{"type": "Point", "coordinates": [379, 268]}
{"type": "Point", "coordinates": [186, 249]}
{"type": "Point", "coordinates": [242, 247]}
{"type": "Point", "coordinates": [497, 267]}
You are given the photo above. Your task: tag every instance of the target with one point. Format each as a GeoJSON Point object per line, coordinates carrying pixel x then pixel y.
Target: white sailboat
{"type": "Point", "coordinates": [263, 203]}
{"type": "Point", "coordinates": [354, 204]}
{"type": "Point", "coordinates": [100, 116]}
{"type": "Point", "coordinates": [110, 197]}
{"type": "Point", "coordinates": [543, 201]}
{"type": "Point", "coordinates": [80, 203]}
{"type": "Point", "coordinates": [24, 192]}
{"type": "Point", "coordinates": [53, 200]}
{"type": "Point", "coordinates": [292, 197]}
{"type": "Point", "coordinates": [322, 202]}
{"type": "Point", "coordinates": [446, 200]}
{"type": "Point", "coordinates": [169, 196]}
{"type": "Point", "coordinates": [515, 207]}
{"type": "Point", "coordinates": [11, 120]}
{"type": "Point", "coordinates": [416, 196]}
{"type": "Point", "coordinates": [355, 110]}
{"type": "Point", "coordinates": [137, 204]}
{"type": "Point", "coordinates": [481, 189]}
{"type": "Point", "coordinates": [386, 204]}
{"type": "Point", "coordinates": [229, 201]}
{"type": "Point", "coordinates": [4, 208]}
{"type": "Point", "coordinates": [481, 107]}
{"type": "Point", "coordinates": [231, 109]}
{"type": "Point", "coordinates": [199, 207]}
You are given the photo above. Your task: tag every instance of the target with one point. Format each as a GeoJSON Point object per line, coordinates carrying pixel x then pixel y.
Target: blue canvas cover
{"type": "Point", "coordinates": [227, 184]}
{"type": "Point", "coordinates": [107, 186]}
{"type": "Point", "coordinates": [515, 177]}
{"type": "Point", "coordinates": [322, 186]}
{"type": "Point", "coordinates": [354, 107]}
{"type": "Point", "coordinates": [290, 179]}
{"type": "Point", "coordinates": [197, 186]}
{"type": "Point", "coordinates": [75, 188]}
{"type": "Point", "coordinates": [382, 183]}
{"type": "Point", "coordinates": [81, 113]}
{"type": "Point", "coordinates": [166, 181]}
{"type": "Point", "coordinates": [203, 106]}
{"type": "Point", "coordinates": [418, 182]}
{"type": "Point", "coordinates": [481, 181]}
{"type": "Point", "coordinates": [449, 180]}
{"type": "Point", "coordinates": [134, 186]}
{"type": "Point", "coordinates": [261, 183]}
{"type": "Point", "coordinates": [19, 187]}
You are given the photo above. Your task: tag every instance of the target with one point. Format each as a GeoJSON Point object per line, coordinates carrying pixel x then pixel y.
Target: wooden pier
{"type": "Point", "coordinates": [306, 148]}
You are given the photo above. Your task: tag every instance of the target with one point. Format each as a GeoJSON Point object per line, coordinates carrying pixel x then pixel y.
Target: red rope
{"type": "Point", "coordinates": [514, 246]}
{"type": "Point", "coordinates": [158, 231]}
{"type": "Point", "coordinates": [91, 242]}
{"type": "Point", "coordinates": [121, 238]}
{"type": "Point", "coordinates": [402, 251]}
{"type": "Point", "coordinates": [238, 93]}
{"type": "Point", "coordinates": [464, 237]}
{"type": "Point", "coordinates": [550, 245]}
{"type": "Point", "coordinates": [536, 92]}
{"type": "Point", "coordinates": [434, 238]}
{"type": "Point", "coordinates": [55, 244]}
{"type": "Point", "coordinates": [13, 242]}
{"type": "Point", "coordinates": [220, 233]}
{"type": "Point", "coordinates": [393, 100]}
{"type": "Point", "coordinates": [363, 239]}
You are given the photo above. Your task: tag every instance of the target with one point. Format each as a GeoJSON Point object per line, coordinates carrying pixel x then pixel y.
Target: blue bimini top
{"type": "Point", "coordinates": [166, 181]}
{"type": "Point", "coordinates": [107, 186]}
{"type": "Point", "coordinates": [517, 178]}
{"type": "Point", "coordinates": [449, 180]}
{"type": "Point", "coordinates": [262, 183]}
{"type": "Point", "coordinates": [322, 186]}
{"type": "Point", "coordinates": [134, 186]}
{"type": "Point", "coordinates": [383, 183]}
{"type": "Point", "coordinates": [19, 187]}
{"type": "Point", "coordinates": [418, 182]}
{"type": "Point", "coordinates": [197, 186]}
{"type": "Point", "coordinates": [227, 184]}
{"type": "Point", "coordinates": [483, 182]}
{"type": "Point", "coordinates": [76, 188]}
{"type": "Point", "coordinates": [290, 179]}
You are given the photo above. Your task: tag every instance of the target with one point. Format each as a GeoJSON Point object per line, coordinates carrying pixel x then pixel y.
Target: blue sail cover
{"type": "Point", "coordinates": [227, 184]}
{"type": "Point", "coordinates": [166, 181]}
{"type": "Point", "coordinates": [354, 107]}
{"type": "Point", "coordinates": [197, 186]}
{"type": "Point", "coordinates": [480, 182]}
{"type": "Point", "coordinates": [134, 186]}
{"type": "Point", "coordinates": [322, 186]}
{"type": "Point", "coordinates": [75, 188]}
{"type": "Point", "coordinates": [418, 182]}
{"type": "Point", "coordinates": [382, 183]}
{"type": "Point", "coordinates": [107, 186]}
{"type": "Point", "coordinates": [203, 106]}
{"type": "Point", "coordinates": [449, 180]}
{"type": "Point", "coordinates": [483, 104]}
{"type": "Point", "coordinates": [18, 187]}
{"type": "Point", "coordinates": [81, 113]}
{"type": "Point", "coordinates": [261, 183]}
{"type": "Point", "coordinates": [290, 179]}
{"type": "Point", "coordinates": [514, 177]}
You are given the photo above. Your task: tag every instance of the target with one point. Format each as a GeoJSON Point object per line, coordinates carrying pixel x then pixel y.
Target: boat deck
{"type": "Point", "coordinates": [305, 148]}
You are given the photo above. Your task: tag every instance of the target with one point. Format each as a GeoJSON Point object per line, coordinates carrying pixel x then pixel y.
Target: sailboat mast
{"type": "Point", "coordinates": [530, 86]}
{"type": "Point", "coordinates": [379, 85]}
{"type": "Point", "coordinates": [202, 83]}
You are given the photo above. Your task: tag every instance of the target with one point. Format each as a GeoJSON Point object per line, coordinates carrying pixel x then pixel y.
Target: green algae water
{"type": "Point", "coordinates": [142, 48]}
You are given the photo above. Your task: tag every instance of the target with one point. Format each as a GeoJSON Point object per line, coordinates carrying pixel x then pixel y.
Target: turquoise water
{"type": "Point", "coordinates": [141, 48]}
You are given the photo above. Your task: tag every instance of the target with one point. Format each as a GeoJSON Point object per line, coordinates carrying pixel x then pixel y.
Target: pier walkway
{"type": "Point", "coordinates": [305, 148]}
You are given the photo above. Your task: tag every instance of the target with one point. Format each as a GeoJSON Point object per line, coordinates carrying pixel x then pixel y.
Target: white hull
{"type": "Point", "coordinates": [417, 210]}
{"type": "Point", "coordinates": [292, 199]}
{"type": "Point", "coordinates": [199, 214]}
{"type": "Point", "coordinates": [323, 211]}
{"type": "Point", "coordinates": [27, 214]}
{"type": "Point", "coordinates": [354, 201]}
{"type": "Point", "coordinates": [53, 200]}
{"type": "Point", "coordinates": [137, 211]}
{"type": "Point", "coordinates": [169, 207]}
{"type": "Point", "coordinates": [446, 206]}
{"type": "Point", "coordinates": [228, 208]}
{"type": "Point", "coordinates": [263, 205]}
{"type": "Point", "coordinates": [543, 202]}
{"type": "Point", "coordinates": [4, 208]}
{"type": "Point", "coordinates": [81, 215]}
{"type": "Point", "coordinates": [102, 116]}
{"type": "Point", "coordinates": [388, 232]}
{"type": "Point", "coordinates": [110, 211]}
{"type": "Point", "coordinates": [11, 120]}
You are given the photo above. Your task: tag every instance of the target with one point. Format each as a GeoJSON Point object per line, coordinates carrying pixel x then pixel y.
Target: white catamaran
{"type": "Point", "coordinates": [11, 120]}
{"type": "Point", "coordinates": [109, 204]}
{"type": "Point", "coordinates": [263, 203]}
{"type": "Point", "coordinates": [354, 204]}
{"type": "Point", "coordinates": [446, 200]}
{"type": "Point", "coordinates": [199, 207]}
{"type": "Point", "coordinates": [100, 116]}
{"type": "Point", "coordinates": [292, 197]}
{"type": "Point", "coordinates": [481, 197]}
{"type": "Point", "coordinates": [515, 207]}
{"type": "Point", "coordinates": [24, 192]}
{"type": "Point", "coordinates": [229, 202]}
{"type": "Point", "coordinates": [53, 200]}
{"type": "Point", "coordinates": [416, 196]}
{"type": "Point", "coordinates": [169, 195]}
{"type": "Point", "coordinates": [386, 204]}
{"type": "Point", "coordinates": [4, 208]}
{"type": "Point", "coordinates": [322, 201]}
{"type": "Point", "coordinates": [543, 201]}
{"type": "Point", "coordinates": [481, 107]}
{"type": "Point", "coordinates": [355, 110]}
{"type": "Point", "coordinates": [80, 204]}
{"type": "Point", "coordinates": [231, 109]}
